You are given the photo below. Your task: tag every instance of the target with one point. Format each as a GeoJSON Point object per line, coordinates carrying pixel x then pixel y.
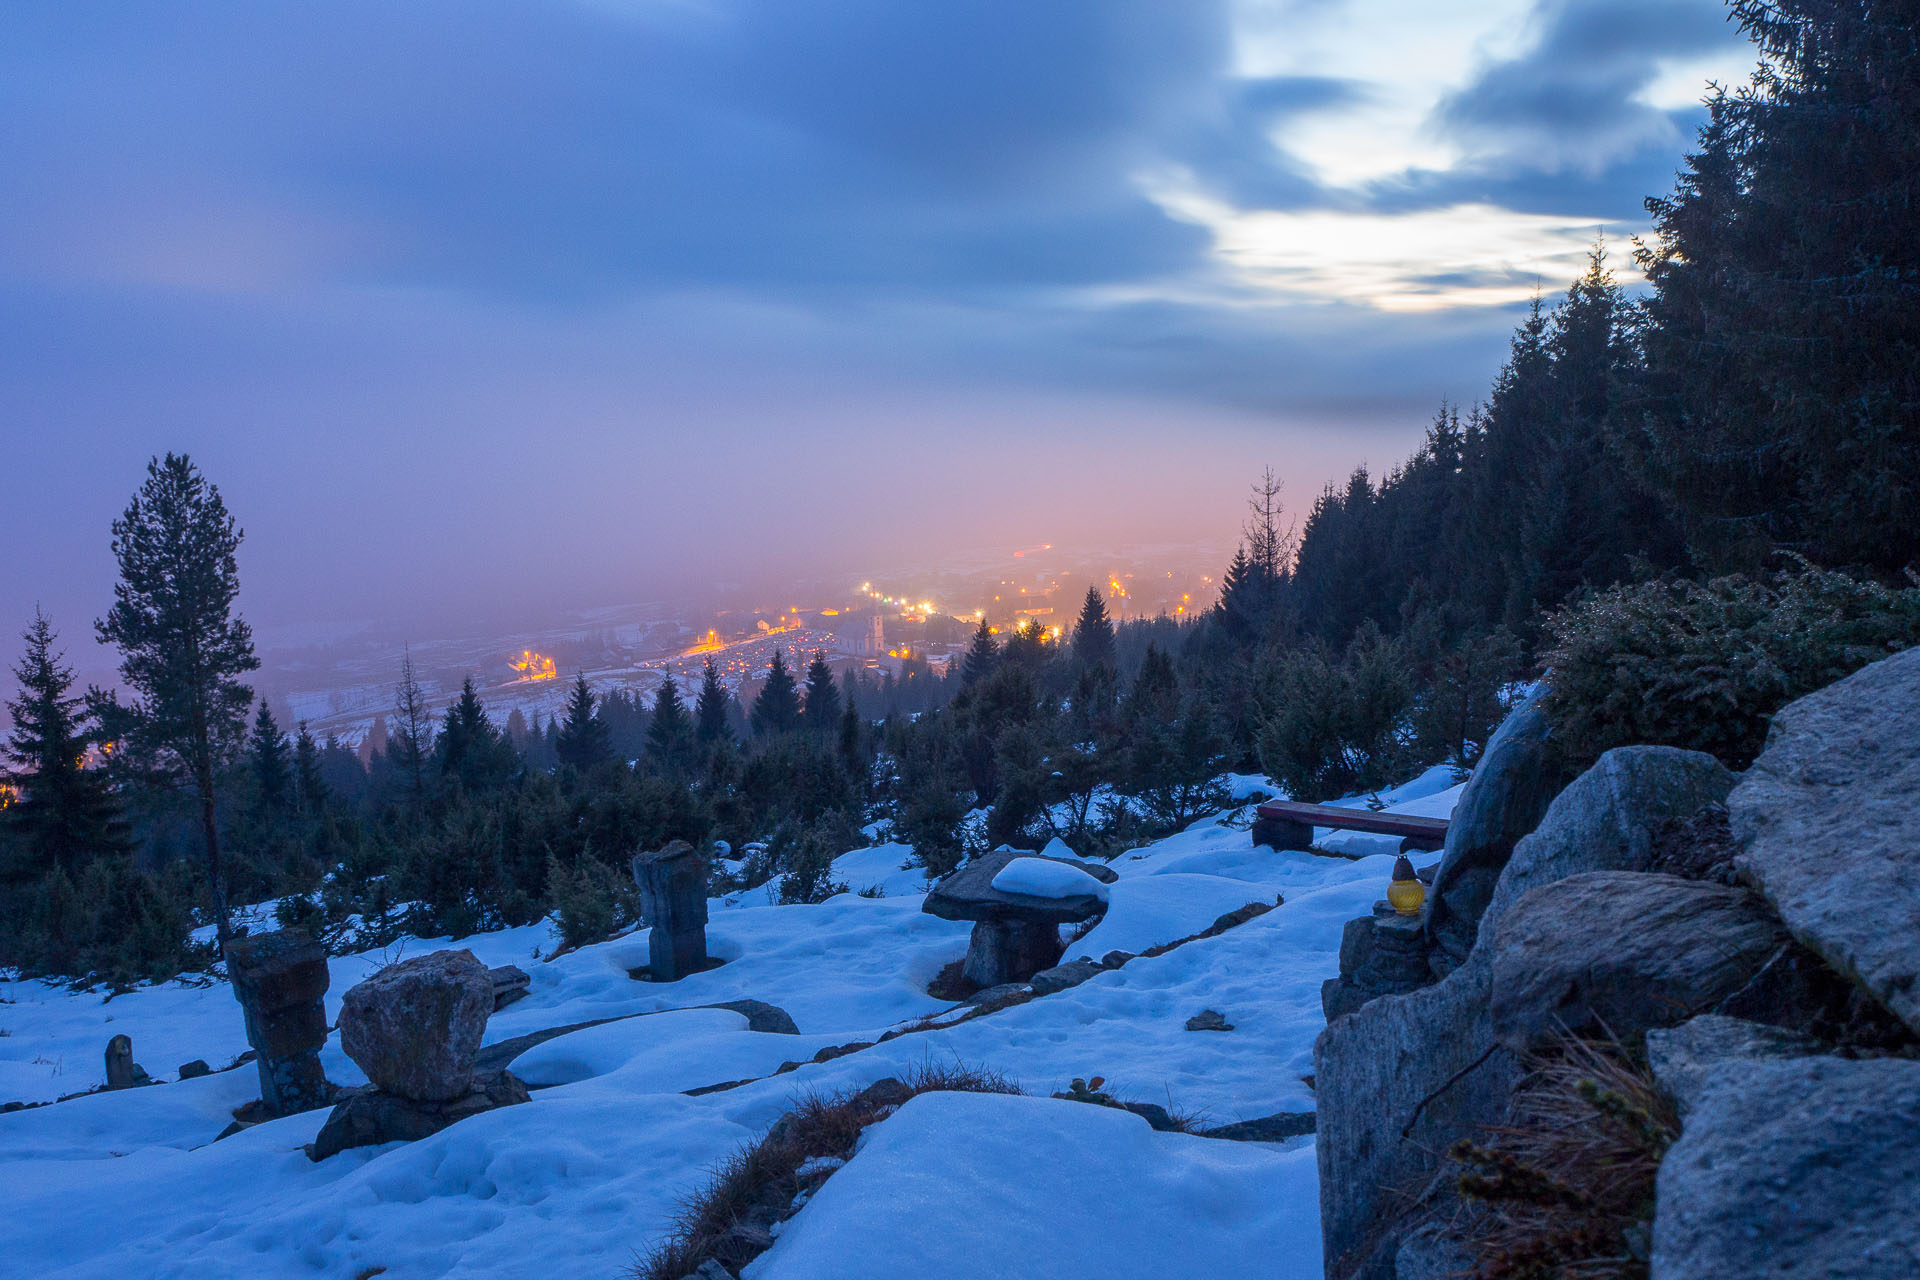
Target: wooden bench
{"type": "Point", "coordinates": [1288, 824]}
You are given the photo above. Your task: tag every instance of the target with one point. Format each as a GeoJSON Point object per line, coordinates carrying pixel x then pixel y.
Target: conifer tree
{"type": "Point", "coordinates": [66, 813]}
{"type": "Point", "coordinates": [982, 656]}
{"type": "Point", "coordinates": [310, 790]}
{"type": "Point", "coordinates": [776, 709]}
{"type": "Point", "coordinates": [583, 741]}
{"type": "Point", "coordinates": [1093, 640]}
{"type": "Point", "coordinates": [267, 758]}
{"type": "Point", "coordinates": [182, 649]}
{"type": "Point", "coordinates": [411, 737]}
{"type": "Point", "coordinates": [469, 746]}
{"type": "Point", "coordinates": [670, 730]}
{"type": "Point", "coordinates": [710, 727]}
{"type": "Point", "coordinates": [853, 751]}
{"type": "Point", "coordinates": [821, 711]}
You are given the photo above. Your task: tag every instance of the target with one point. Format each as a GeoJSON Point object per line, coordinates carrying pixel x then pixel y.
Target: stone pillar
{"type": "Point", "coordinates": [673, 896]}
{"type": "Point", "coordinates": [280, 979]}
{"type": "Point", "coordinates": [1010, 951]}
{"type": "Point", "coordinates": [122, 1071]}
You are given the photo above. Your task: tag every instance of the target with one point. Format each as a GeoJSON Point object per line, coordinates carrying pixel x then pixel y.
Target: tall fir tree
{"type": "Point", "coordinates": [983, 655]}
{"type": "Point", "coordinates": [65, 812]}
{"type": "Point", "coordinates": [821, 710]}
{"type": "Point", "coordinates": [469, 747]}
{"type": "Point", "coordinates": [1093, 639]}
{"type": "Point", "coordinates": [583, 741]}
{"type": "Point", "coordinates": [182, 649]}
{"type": "Point", "coordinates": [310, 790]}
{"type": "Point", "coordinates": [710, 726]}
{"type": "Point", "coordinates": [776, 708]}
{"type": "Point", "coordinates": [267, 759]}
{"type": "Point", "coordinates": [410, 740]}
{"type": "Point", "coordinates": [670, 730]}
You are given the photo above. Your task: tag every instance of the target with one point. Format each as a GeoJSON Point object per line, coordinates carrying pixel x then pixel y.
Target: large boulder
{"type": "Point", "coordinates": [1799, 1168]}
{"type": "Point", "coordinates": [415, 1027]}
{"type": "Point", "coordinates": [1622, 952]}
{"type": "Point", "coordinates": [1395, 1085]}
{"type": "Point", "coordinates": [1683, 1058]}
{"type": "Point", "coordinates": [1829, 817]}
{"type": "Point", "coordinates": [1516, 779]}
{"type": "Point", "coordinates": [1607, 818]}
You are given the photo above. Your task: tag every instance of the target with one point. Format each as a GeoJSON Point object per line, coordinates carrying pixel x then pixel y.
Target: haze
{"type": "Point", "coordinates": [484, 309]}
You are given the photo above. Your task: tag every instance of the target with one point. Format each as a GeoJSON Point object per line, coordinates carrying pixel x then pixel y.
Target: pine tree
{"type": "Point", "coordinates": [411, 738]}
{"type": "Point", "coordinates": [66, 812]}
{"type": "Point", "coordinates": [853, 751]}
{"type": "Point", "coordinates": [710, 727]}
{"type": "Point", "coordinates": [267, 758]}
{"type": "Point", "coordinates": [182, 650]}
{"type": "Point", "coordinates": [583, 742]}
{"type": "Point", "coordinates": [1155, 695]}
{"type": "Point", "coordinates": [1093, 641]}
{"type": "Point", "coordinates": [821, 711]}
{"type": "Point", "coordinates": [982, 656]}
{"type": "Point", "coordinates": [776, 709]}
{"type": "Point", "coordinates": [670, 730]}
{"type": "Point", "coordinates": [309, 788]}
{"type": "Point", "coordinates": [469, 746]}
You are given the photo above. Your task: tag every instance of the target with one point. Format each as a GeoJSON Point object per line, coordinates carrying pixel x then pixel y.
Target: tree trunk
{"type": "Point", "coordinates": [216, 877]}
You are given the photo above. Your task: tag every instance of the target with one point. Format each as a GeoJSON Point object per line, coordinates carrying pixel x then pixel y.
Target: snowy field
{"type": "Point", "coordinates": [587, 1175]}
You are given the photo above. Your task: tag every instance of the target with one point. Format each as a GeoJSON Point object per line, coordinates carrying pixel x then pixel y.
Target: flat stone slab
{"type": "Point", "coordinates": [968, 894]}
{"type": "Point", "coordinates": [1829, 817]}
{"type": "Point", "coordinates": [1800, 1168]}
{"type": "Point", "coordinates": [760, 1015]}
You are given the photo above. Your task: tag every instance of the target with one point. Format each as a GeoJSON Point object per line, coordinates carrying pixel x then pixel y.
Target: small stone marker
{"type": "Point", "coordinates": [280, 979]}
{"type": "Point", "coordinates": [122, 1071]}
{"type": "Point", "coordinates": [510, 983]}
{"type": "Point", "coordinates": [673, 896]}
{"type": "Point", "coordinates": [195, 1069]}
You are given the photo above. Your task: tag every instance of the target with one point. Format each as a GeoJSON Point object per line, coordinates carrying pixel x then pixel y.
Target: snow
{"type": "Point", "coordinates": [1043, 878]}
{"type": "Point", "coordinates": [960, 1185]}
{"type": "Point", "coordinates": [572, 1184]}
{"type": "Point", "coordinates": [886, 867]}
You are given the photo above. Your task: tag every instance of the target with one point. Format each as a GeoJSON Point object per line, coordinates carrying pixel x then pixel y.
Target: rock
{"type": "Point", "coordinates": [1830, 830]}
{"type": "Point", "coordinates": [510, 983]}
{"type": "Point", "coordinates": [371, 1117]}
{"type": "Point", "coordinates": [280, 979]}
{"type": "Point", "coordinates": [1381, 954]}
{"type": "Point", "coordinates": [1273, 1128]}
{"type": "Point", "coordinates": [761, 1016]}
{"type": "Point", "coordinates": [1623, 951]}
{"type": "Point", "coordinates": [1114, 959]}
{"type": "Point", "coordinates": [887, 1092]}
{"type": "Point", "coordinates": [195, 1069]}
{"type": "Point", "coordinates": [673, 898]}
{"type": "Point", "coordinates": [710, 1270]}
{"type": "Point", "coordinates": [1683, 1057]}
{"type": "Point", "coordinates": [1062, 976]}
{"type": "Point", "coordinates": [1800, 1168]}
{"type": "Point", "coordinates": [1517, 778]}
{"type": "Point", "coordinates": [122, 1071]}
{"type": "Point", "coordinates": [1208, 1020]}
{"type": "Point", "coordinates": [1395, 1085]}
{"type": "Point", "coordinates": [1429, 1254]}
{"type": "Point", "coordinates": [994, 995]}
{"type": "Point", "coordinates": [1608, 818]}
{"type": "Point", "coordinates": [1001, 952]}
{"type": "Point", "coordinates": [415, 1027]}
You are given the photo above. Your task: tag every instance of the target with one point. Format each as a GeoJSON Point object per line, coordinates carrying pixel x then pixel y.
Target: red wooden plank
{"type": "Point", "coordinates": [1326, 815]}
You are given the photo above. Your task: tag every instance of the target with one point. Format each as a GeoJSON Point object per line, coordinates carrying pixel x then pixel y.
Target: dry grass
{"type": "Point", "coordinates": [729, 1218]}
{"type": "Point", "coordinates": [1566, 1189]}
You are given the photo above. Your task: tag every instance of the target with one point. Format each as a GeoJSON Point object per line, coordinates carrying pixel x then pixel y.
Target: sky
{"type": "Point", "coordinates": [472, 307]}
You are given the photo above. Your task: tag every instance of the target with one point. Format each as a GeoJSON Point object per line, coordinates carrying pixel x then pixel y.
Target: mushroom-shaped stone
{"type": "Point", "coordinates": [415, 1027]}
{"type": "Point", "coordinates": [1017, 909]}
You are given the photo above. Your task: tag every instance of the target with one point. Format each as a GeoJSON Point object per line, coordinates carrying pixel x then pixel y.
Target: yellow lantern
{"type": "Point", "coordinates": [1405, 891]}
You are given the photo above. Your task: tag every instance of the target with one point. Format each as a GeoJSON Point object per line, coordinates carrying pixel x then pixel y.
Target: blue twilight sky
{"type": "Point", "coordinates": [470, 304]}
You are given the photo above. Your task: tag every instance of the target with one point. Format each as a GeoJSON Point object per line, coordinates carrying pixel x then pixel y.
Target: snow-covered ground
{"type": "Point", "coordinates": [592, 1170]}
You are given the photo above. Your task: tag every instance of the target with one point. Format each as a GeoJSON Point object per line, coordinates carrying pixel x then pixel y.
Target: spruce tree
{"type": "Point", "coordinates": [309, 787]}
{"type": "Point", "coordinates": [411, 738]}
{"type": "Point", "coordinates": [469, 747]}
{"type": "Point", "coordinates": [267, 758]}
{"type": "Point", "coordinates": [1093, 641]}
{"type": "Point", "coordinates": [821, 711]}
{"type": "Point", "coordinates": [65, 812]}
{"type": "Point", "coordinates": [182, 649]}
{"type": "Point", "coordinates": [583, 741]}
{"type": "Point", "coordinates": [982, 656]}
{"type": "Point", "coordinates": [776, 709]}
{"type": "Point", "coordinates": [710, 727]}
{"type": "Point", "coordinates": [670, 729]}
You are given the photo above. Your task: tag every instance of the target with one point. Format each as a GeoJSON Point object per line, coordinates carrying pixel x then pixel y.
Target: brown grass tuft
{"type": "Point", "coordinates": [1565, 1189]}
